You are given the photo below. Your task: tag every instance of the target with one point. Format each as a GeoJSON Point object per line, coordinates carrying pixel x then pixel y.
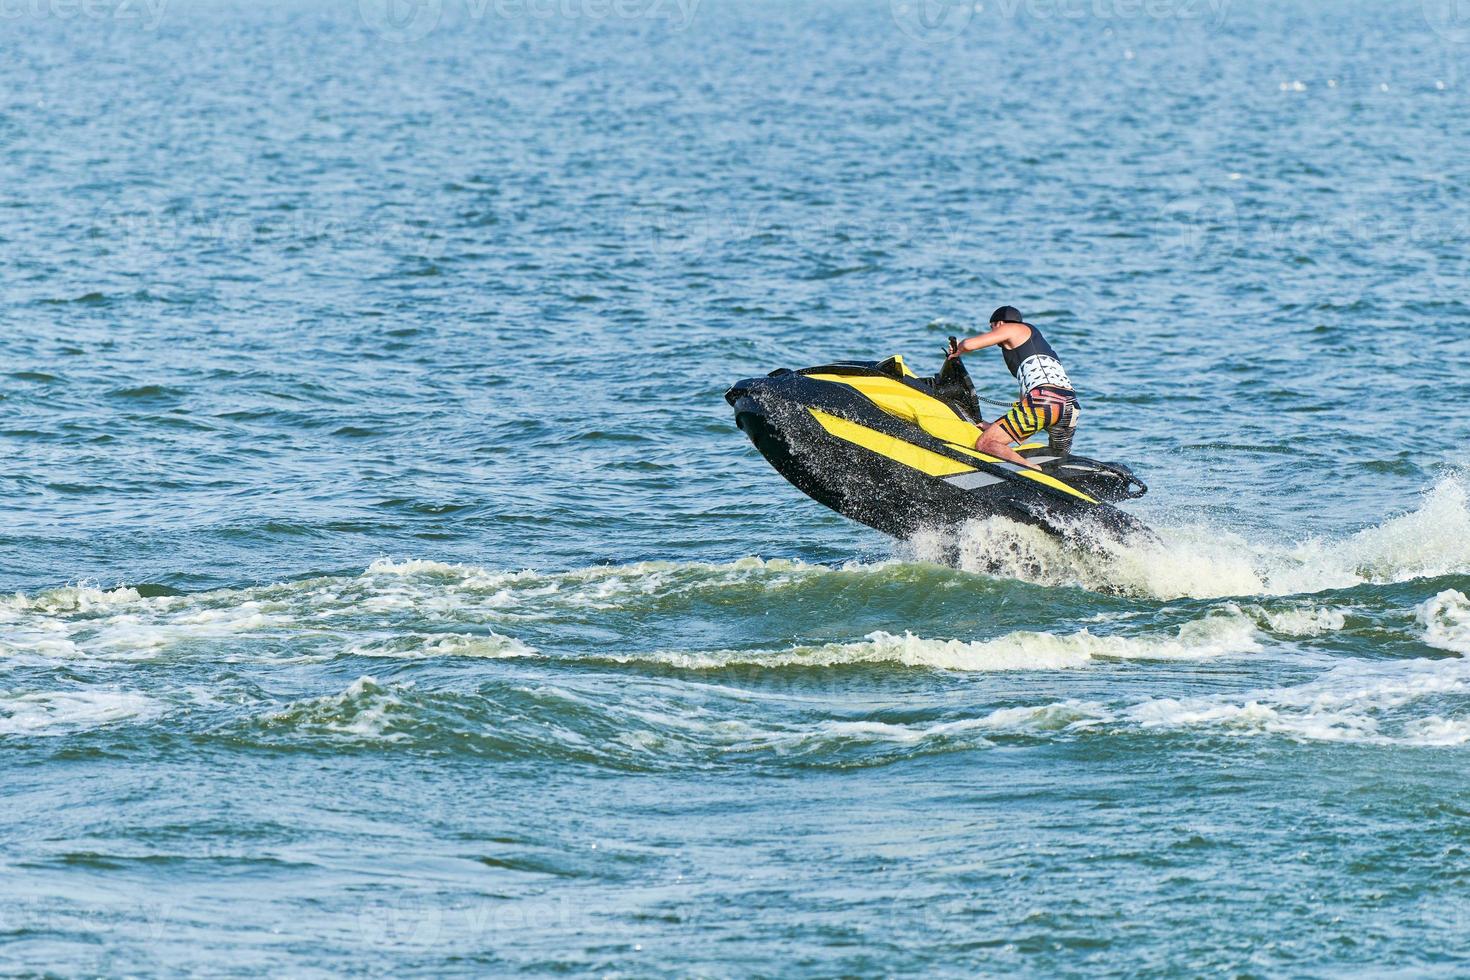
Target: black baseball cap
{"type": "Point", "coordinates": [1007, 313]}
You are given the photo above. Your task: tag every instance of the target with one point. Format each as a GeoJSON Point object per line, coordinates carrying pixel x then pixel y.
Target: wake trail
{"type": "Point", "coordinates": [1203, 562]}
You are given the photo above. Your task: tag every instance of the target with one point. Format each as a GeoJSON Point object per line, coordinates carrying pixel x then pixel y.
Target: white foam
{"type": "Point", "coordinates": [1055, 717]}
{"type": "Point", "coordinates": [489, 645]}
{"type": "Point", "coordinates": [1254, 717]}
{"type": "Point", "coordinates": [364, 612]}
{"type": "Point", "coordinates": [1446, 621]}
{"type": "Point", "coordinates": [1435, 730]}
{"type": "Point", "coordinates": [1357, 701]}
{"type": "Point", "coordinates": [602, 579]}
{"type": "Point", "coordinates": [1304, 620]}
{"type": "Point", "coordinates": [370, 709]}
{"type": "Point", "coordinates": [1213, 636]}
{"type": "Point", "coordinates": [80, 598]}
{"type": "Point", "coordinates": [1186, 562]}
{"type": "Point", "coordinates": [58, 712]}
{"type": "Point", "coordinates": [418, 566]}
{"type": "Point", "coordinates": [958, 733]}
{"type": "Point", "coordinates": [80, 622]}
{"type": "Point", "coordinates": [470, 593]}
{"type": "Point", "coordinates": [365, 710]}
{"type": "Point", "coordinates": [828, 735]}
{"type": "Point", "coordinates": [1205, 562]}
{"type": "Point", "coordinates": [41, 647]}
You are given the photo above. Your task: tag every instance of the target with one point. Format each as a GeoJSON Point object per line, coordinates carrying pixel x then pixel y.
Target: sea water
{"type": "Point", "coordinates": [387, 589]}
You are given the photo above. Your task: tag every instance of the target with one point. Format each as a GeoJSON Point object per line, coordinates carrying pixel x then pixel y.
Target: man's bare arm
{"type": "Point", "coordinates": [1003, 333]}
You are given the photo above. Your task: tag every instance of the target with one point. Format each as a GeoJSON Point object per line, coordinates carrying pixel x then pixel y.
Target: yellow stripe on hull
{"type": "Point", "coordinates": [891, 447]}
{"type": "Point", "coordinates": [903, 402]}
{"type": "Point", "coordinates": [1053, 482]}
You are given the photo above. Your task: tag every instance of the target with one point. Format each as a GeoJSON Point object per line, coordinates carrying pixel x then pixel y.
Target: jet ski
{"type": "Point", "coordinates": [895, 451]}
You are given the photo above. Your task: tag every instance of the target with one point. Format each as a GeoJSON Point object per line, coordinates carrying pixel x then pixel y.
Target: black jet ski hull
{"type": "Point", "coordinates": [839, 448]}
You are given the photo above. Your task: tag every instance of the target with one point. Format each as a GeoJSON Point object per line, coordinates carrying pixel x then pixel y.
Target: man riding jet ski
{"type": "Point", "coordinates": [1047, 400]}
{"type": "Point", "coordinates": [878, 444]}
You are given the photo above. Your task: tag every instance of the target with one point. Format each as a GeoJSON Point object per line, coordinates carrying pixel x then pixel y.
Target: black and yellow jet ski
{"type": "Point", "coordinates": [878, 444]}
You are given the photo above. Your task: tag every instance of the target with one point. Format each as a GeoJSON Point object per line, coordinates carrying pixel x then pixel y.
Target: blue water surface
{"type": "Point", "coordinates": [388, 590]}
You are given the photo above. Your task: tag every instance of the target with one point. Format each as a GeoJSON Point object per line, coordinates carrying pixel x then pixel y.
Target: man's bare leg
{"type": "Point", "coordinates": [997, 442]}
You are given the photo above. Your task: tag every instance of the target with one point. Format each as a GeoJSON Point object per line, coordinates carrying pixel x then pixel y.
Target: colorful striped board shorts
{"type": "Point", "coordinates": [1052, 409]}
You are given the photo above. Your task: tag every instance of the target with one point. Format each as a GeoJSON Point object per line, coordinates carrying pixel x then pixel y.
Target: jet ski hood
{"type": "Point", "coordinates": [892, 450]}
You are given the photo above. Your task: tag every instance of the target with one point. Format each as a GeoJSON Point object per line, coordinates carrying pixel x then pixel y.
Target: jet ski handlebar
{"type": "Point", "coordinates": [953, 375]}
